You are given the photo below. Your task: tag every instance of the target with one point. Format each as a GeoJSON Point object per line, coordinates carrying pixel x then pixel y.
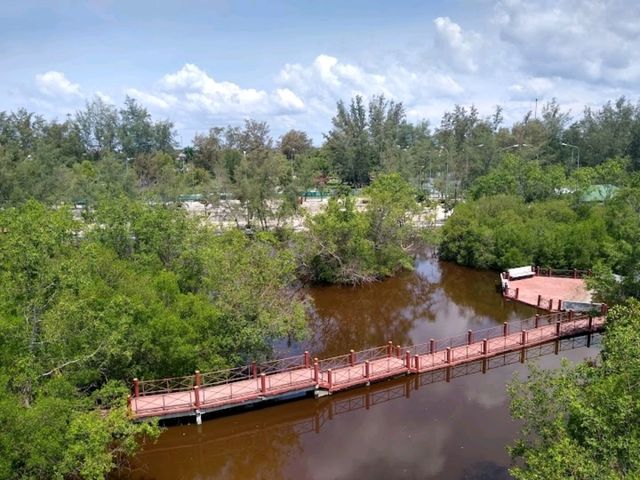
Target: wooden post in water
{"type": "Point", "coordinates": [484, 365]}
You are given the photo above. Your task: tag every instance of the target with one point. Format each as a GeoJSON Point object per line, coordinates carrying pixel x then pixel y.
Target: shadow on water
{"type": "Point", "coordinates": [410, 427]}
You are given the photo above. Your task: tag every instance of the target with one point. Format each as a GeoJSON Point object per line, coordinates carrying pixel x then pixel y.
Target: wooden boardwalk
{"type": "Point", "coordinates": [201, 393]}
{"type": "Point", "coordinates": [549, 289]}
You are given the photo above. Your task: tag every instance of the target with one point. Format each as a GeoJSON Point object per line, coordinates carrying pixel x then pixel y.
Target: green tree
{"type": "Point", "coordinates": [583, 422]}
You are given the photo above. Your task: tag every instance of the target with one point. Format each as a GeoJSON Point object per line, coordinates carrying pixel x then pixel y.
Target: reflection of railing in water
{"type": "Point", "coordinates": [350, 401]}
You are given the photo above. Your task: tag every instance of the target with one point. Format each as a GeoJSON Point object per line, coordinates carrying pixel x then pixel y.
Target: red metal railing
{"type": "Point", "coordinates": [293, 373]}
{"type": "Point", "coordinates": [559, 272]}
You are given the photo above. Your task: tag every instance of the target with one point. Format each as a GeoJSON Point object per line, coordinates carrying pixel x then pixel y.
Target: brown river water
{"type": "Point", "coordinates": [409, 428]}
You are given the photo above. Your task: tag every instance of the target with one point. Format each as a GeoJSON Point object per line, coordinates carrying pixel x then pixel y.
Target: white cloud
{"type": "Point", "coordinates": [203, 92]}
{"type": "Point", "coordinates": [289, 100]}
{"type": "Point", "coordinates": [591, 41]}
{"type": "Point", "coordinates": [55, 84]}
{"type": "Point", "coordinates": [162, 101]}
{"type": "Point", "coordinates": [454, 47]}
{"type": "Point", "coordinates": [536, 87]}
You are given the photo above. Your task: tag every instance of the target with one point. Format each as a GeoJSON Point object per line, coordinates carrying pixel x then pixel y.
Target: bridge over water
{"type": "Point", "coordinates": [202, 393]}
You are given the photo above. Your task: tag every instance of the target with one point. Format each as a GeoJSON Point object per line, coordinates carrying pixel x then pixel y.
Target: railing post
{"type": "Point", "coordinates": [407, 359]}
{"type": "Point", "coordinates": [389, 348]}
{"type": "Point", "coordinates": [197, 381]}
{"type": "Point", "coordinates": [196, 394]}
{"type": "Point", "coordinates": [469, 337]}
{"type": "Point", "coordinates": [307, 359]}
{"type": "Point", "coordinates": [505, 329]}
{"type": "Point", "coordinates": [330, 379]}
{"type": "Point", "coordinates": [352, 357]}
{"type": "Point", "coordinates": [537, 320]}
{"type": "Point", "coordinates": [551, 304]}
{"type": "Point", "coordinates": [539, 300]}
{"type": "Point", "coordinates": [129, 409]}
{"type": "Point", "coordinates": [559, 304]}
{"type": "Point", "coordinates": [557, 328]}
{"type": "Point", "coordinates": [590, 322]}
{"type": "Point", "coordinates": [537, 270]}
{"type": "Point", "coordinates": [263, 383]}
{"type": "Point", "coordinates": [254, 370]}
{"type": "Point", "coordinates": [485, 345]}
{"type": "Point", "coordinates": [316, 371]}
{"type": "Point", "coordinates": [398, 351]}
{"type": "Point", "coordinates": [575, 273]}
{"type": "Point", "coordinates": [448, 354]}
{"type": "Point", "coordinates": [549, 272]}
{"type": "Point", "coordinates": [517, 292]}
{"type": "Point", "coordinates": [416, 362]}
{"type": "Point", "coordinates": [523, 337]}
{"type": "Point", "coordinates": [570, 315]}
{"type": "Point", "coordinates": [432, 346]}
{"type": "Point", "coordinates": [367, 369]}
{"type": "Point", "coordinates": [136, 387]}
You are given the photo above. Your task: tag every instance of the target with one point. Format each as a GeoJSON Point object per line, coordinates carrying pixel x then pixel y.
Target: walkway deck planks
{"type": "Point", "coordinates": [361, 368]}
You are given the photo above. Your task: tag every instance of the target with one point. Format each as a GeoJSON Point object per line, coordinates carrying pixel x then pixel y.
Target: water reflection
{"type": "Point", "coordinates": [414, 427]}
{"type": "Point", "coordinates": [437, 300]}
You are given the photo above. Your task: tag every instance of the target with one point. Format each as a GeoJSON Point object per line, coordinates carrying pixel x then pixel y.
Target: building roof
{"type": "Point", "coordinates": [599, 193]}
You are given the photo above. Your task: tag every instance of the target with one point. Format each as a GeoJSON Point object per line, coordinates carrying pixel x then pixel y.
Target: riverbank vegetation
{"type": "Point", "coordinates": [584, 421]}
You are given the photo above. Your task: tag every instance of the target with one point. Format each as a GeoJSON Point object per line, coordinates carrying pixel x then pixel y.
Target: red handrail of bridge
{"type": "Point", "coordinates": [256, 382]}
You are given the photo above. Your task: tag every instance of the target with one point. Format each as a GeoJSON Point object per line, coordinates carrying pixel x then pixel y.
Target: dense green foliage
{"type": "Point", "coordinates": [583, 422]}
{"type": "Point", "coordinates": [138, 288]}
{"type": "Point", "coordinates": [133, 290]}
{"type": "Point", "coordinates": [345, 245]}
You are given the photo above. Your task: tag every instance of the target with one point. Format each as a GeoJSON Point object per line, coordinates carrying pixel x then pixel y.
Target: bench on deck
{"type": "Point", "coordinates": [520, 272]}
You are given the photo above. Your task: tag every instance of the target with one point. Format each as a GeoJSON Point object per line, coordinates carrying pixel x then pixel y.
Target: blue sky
{"type": "Point", "coordinates": [210, 63]}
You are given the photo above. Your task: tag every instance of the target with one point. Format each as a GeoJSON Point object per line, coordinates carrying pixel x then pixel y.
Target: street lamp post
{"type": "Point", "coordinates": [572, 146]}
